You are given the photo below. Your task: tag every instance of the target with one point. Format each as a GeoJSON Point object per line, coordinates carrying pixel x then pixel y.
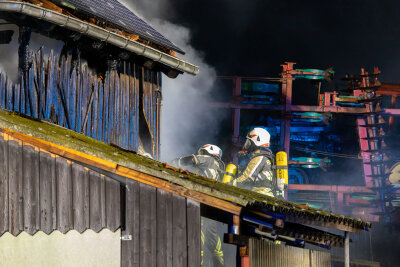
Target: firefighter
{"type": "Point", "coordinates": [208, 163]}
{"type": "Point", "coordinates": [259, 173]}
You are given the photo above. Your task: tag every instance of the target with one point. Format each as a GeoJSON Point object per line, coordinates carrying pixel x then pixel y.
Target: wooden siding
{"type": "Point", "coordinates": [40, 191]}
{"type": "Point", "coordinates": [164, 228]}
{"type": "Point", "coordinates": [106, 109]}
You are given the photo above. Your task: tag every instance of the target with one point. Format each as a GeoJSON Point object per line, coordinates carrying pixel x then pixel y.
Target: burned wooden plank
{"type": "Point", "coordinates": [53, 108]}
{"type": "Point", "coordinates": [101, 114]}
{"type": "Point", "coordinates": [17, 92]}
{"type": "Point", "coordinates": [47, 173]}
{"type": "Point", "coordinates": [164, 228]}
{"type": "Point", "coordinates": [106, 108]}
{"type": "Point", "coordinates": [72, 86]}
{"type": "Point", "coordinates": [95, 108]}
{"type": "Point", "coordinates": [117, 110]}
{"type": "Point", "coordinates": [15, 206]}
{"type": "Point", "coordinates": [30, 183]}
{"type": "Point", "coordinates": [80, 193]}
{"type": "Point", "coordinates": [113, 207]}
{"type": "Point", "coordinates": [133, 112]}
{"type": "Point", "coordinates": [3, 182]}
{"type": "Point", "coordinates": [179, 237]}
{"type": "Point", "coordinates": [125, 107]}
{"type": "Point", "coordinates": [83, 99]}
{"type": "Point", "coordinates": [148, 211]}
{"type": "Point", "coordinates": [131, 247]}
{"type": "Point", "coordinates": [193, 223]}
{"type": "Point", "coordinates": [2, 90]}
{"type": "Point", "coordinates": [49, 84]}
{"type": "Point", "coordinates": [64, 195]}
{"type": "Point", "coordinates": [9, 88]}
{"type": "Point", "coordinates": [111, 107]}
{"type": "Point", "coordinates": [60, 93]}
{"type": "Point", "coordinates": [78, 101]}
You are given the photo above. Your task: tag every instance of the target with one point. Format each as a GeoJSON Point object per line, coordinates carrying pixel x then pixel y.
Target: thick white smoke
{"type": "Point", "coordinates": [9, 62]}
{"type": "Point", "coordinates": [9, 52]}
{"type": "Point", "coordinates": [187, 122]}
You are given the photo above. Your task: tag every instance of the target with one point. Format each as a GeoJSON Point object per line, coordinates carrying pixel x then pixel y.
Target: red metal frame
{"type": "Point", "coordinates": [327, 104]}
{"type": "Point", "coordinates": [287, 83]}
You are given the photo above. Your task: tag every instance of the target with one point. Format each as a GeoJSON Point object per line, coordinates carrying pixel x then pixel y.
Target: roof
{"type": "Point", "coordinates": [116, 13]}
{"type": "Point", "coordinates": [131, 161]}
{"type": "Point", "coordinates": [115, 37]}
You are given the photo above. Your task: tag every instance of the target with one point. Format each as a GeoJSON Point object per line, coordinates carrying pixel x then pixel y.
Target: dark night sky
{"type": "Point", "coordinates": [254, 37]}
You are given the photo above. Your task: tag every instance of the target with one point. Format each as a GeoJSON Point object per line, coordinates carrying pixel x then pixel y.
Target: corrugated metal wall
{"type": "Point", "coordinates": [264, 253]}
{"type": "Point", "coordinates": [43, 192]}
{"type": "Point", "coordinates": [106, 109]}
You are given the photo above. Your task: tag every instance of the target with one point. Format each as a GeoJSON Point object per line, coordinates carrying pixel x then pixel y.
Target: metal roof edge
{"type": "Point", "coordinates": [98, 33]}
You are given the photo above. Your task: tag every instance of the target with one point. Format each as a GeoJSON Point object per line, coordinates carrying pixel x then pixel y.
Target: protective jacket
{"type": "Point", "coordinates": [211, 167]}
{"type": "Point", "coordinates": [259, 173]}
{"type": "Point", "coordinates": [205, 165]}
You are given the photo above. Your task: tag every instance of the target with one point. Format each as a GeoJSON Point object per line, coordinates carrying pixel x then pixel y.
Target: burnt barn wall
{"type": "Point", "coordinates": [114, 100]}
{"type": "Point", "coordinates": [40, 191]}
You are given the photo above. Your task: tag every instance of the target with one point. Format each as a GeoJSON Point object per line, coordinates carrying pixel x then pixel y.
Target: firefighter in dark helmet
{"type": "Point", "coordinates": [259, 173]}
{"type": "Point", "coordinates": [207, 163]}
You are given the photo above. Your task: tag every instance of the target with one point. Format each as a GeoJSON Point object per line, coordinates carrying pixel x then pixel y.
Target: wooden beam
{"type": "Point", "coordinates": [126, 172]}
{"type": "Point", "coordinates": [239, 240]}
{"type": "Point", "coordinates": [178, 190]}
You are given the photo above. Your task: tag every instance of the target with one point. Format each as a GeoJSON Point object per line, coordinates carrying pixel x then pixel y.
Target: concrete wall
{"type": "Point", "coordinates": [57, 249]}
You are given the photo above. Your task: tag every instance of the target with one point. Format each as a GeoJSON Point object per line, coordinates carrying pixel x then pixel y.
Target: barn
{"type": "Point", "coordinates": [80, 184]}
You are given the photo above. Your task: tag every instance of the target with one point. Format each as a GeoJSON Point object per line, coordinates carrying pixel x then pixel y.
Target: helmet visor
{"type": "Point", "coordinates": [247, 145]}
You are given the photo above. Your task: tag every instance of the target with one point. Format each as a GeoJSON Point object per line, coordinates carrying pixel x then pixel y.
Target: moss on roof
{"type": "Point", "coordinates": [72, 140]}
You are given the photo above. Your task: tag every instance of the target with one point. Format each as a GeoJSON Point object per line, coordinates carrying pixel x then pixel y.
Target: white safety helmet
{"type": "Point", "coordinates": [259, 137]}
{"type": "Point", "coordinates": [211, 149]}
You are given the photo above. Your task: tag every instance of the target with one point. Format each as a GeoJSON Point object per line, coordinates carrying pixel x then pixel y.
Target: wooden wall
{"type": "Point", "coordinates": [40, 191]}
{"type": "Point", "coordinates": [165, 228]}
{"type": "Point", "coordinates": [106, 108]}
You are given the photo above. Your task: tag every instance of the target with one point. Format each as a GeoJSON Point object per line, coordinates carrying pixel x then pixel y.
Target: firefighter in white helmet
{"type": "Point", "coordinates": [259, 174]}
{"type": "Point", "coordinates": [208, 163]}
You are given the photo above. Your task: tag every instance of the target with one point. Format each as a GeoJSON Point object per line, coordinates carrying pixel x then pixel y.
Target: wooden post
{"type": "Point", "coordinates": [235, 225]}
{"type": "Point", "coordinates": [244, 257]}
{"type": "Point", "coordinates": [346, 249]}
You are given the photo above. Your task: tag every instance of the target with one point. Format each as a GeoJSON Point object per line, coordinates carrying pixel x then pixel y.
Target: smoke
{"type": "Point", "coordinates": [186, 120]}
{"type": "Point", "coordinates": [9, 62]}
{"type": "Point", "coordinates": [9, 51]}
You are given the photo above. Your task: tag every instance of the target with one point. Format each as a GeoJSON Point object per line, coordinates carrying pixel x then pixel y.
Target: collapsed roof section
{"type": "Point", "coordinates": [114, 25]}
{"type": "Point", "coordinates": [269, 216]}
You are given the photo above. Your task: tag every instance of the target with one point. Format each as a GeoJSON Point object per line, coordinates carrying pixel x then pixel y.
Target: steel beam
{"type": "Point", "coordinates": [237, 90]}
{"type": "Point", "coordinates": [391, 111]}
{"type": "Point", "coordinates": [287, 84]}
{"type": "Point", "coordinates": [330, 188]}
{"type": "Point", "coordinates": [301, 108]}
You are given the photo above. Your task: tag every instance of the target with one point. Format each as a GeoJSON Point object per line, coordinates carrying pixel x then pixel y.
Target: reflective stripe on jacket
{"type": "Point", "coordinates": [258, 175]}
{"type": "Point", "coordinates": [205, 165]}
